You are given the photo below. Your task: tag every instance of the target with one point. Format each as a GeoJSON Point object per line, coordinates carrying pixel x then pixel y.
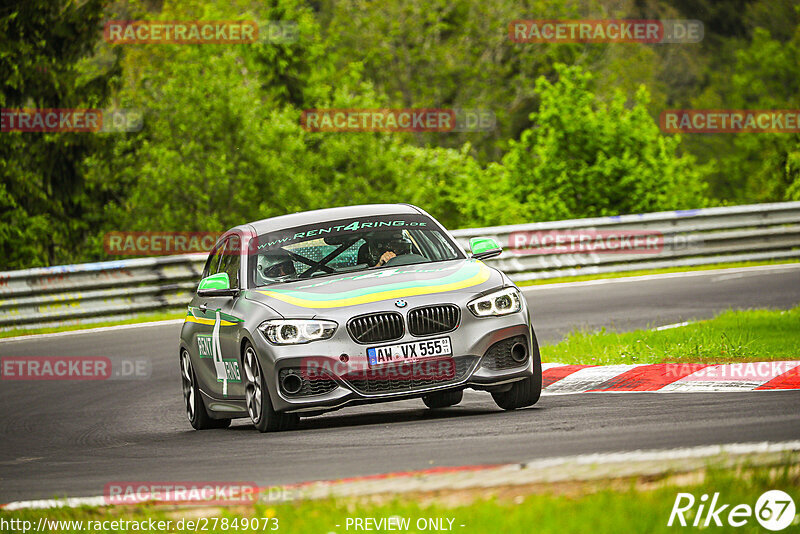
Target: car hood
{"type": "Point", "coordinates": [306, 298]}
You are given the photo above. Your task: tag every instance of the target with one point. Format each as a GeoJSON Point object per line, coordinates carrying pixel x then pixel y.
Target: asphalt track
{"type": "Point", "coordinates": [72, 438]}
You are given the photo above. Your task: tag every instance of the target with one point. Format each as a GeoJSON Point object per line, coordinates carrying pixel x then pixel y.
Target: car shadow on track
{"type": "Point", "coordinates": [386, 417]}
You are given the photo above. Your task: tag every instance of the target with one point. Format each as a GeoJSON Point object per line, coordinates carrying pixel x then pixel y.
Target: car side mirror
{"type": "Point", "coordinates": [216, 285]}
{"type": "Point", "coordinates": [484, 247]}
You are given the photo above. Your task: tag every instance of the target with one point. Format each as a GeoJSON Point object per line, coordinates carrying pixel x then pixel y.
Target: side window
{"type": "Point", "coordinates": [212, 264]}
{"type": "Point", "coordinates": [435, 245]}
{"type": "Point", "coordinates": [229, 263]}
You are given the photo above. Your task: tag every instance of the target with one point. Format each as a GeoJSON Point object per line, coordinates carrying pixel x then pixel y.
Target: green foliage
{"type": "Point", "coordinates": [222, 141]}
{"type": "Point", "coordinates": [768, 77]}
{"type": "Point", "coordinates": [207, 163]}
{"type": "Point", "coordinates": [585, 158]}
{"type": "Point", "coordinates": [457, 53]}
{"type": "Point", "coordinates": [756, 72]}
{"type": "Point", "coordinates": [47, 61]}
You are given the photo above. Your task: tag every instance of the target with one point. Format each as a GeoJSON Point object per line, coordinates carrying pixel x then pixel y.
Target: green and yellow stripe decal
{"type": "Point", "coordinates": [194, 315]}
{"type": "Point", "coordinates": [472, 274]}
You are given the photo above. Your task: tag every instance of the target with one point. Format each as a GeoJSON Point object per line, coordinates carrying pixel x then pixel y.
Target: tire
{"type": "Point", "coordinates": [524, 392]}
{"type": "Point", "coordinates": [259, 404]}
{"type": "Point", "coordinates": [443, 399]}
{"type": "Point", "coordinates": [192, 399]}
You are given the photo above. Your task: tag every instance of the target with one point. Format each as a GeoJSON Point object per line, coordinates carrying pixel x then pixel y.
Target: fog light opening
{"type": "Point", "coordinates": [291, 384]}
{"type": "Point", "coordinates": [519, 352]}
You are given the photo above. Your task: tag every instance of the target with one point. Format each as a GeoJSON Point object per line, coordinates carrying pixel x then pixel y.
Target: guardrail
{"type": "Point", "coordinates": [688, 237]}
{"type": "Point", "coordinates": [102, 291]}
{"type": "Point", "coordinates": [92, 292]}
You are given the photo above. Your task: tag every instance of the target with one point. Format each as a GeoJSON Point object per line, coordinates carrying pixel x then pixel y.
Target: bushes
{"type": "Point", "coordinates": [222, 144]}
{"type": "Point", "coordinates": [585, 158]}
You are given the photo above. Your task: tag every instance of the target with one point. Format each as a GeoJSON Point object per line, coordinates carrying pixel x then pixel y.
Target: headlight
{"type": "Point", "coordinates": [294, 331]}
{"type": "Point", "coordinates": [503, 302]}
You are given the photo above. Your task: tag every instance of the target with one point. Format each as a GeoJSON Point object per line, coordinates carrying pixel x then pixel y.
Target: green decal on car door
{"type": "Point", "coordinates": [219, 365]}
{"type": "Point", "coordinates": [210, 347]}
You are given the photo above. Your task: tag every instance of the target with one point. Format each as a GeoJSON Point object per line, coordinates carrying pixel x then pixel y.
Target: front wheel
{"type": "Point", "coordinates": [524, 392]}
{"type": "Point", "coordinates": [195, 409]}
{"type": "Point", "coordinates": [259, 405]}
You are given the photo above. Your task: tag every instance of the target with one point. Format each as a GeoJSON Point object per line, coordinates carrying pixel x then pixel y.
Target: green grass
{"type": "Point", "coordinates": [143, 318]}
{"type": "Point", "coordinates": [733, 336]}
{"type": "Point", "coordinates": [644, 272]}
{"type": "Point", "coordinates": [600, 507]}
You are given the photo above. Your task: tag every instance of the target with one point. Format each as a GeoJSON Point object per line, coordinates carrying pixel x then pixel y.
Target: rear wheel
{"type": "Point", "coordinates": [443, 399]}
{"type": "Point", "coordinates": [259, 405]}
{"type": "Point", "coordinates": [524, 392]}
{"type": "Point", "coordinates": [193, 403]}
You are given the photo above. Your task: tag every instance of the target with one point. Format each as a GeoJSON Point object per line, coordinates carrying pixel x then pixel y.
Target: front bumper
{"type": "Point", "coordinates": [475, 366]}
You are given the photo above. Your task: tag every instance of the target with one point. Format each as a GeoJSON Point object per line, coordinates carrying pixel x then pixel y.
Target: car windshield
{"type": "Point", "coordinates": [349, 245]}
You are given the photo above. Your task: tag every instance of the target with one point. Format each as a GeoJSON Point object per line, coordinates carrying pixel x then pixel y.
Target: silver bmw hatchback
{"type": "Point", "coordinates": [305, 313]}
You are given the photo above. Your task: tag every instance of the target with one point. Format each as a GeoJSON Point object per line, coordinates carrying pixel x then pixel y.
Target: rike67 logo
{"type": "Point", "coordinates": [774, 510]}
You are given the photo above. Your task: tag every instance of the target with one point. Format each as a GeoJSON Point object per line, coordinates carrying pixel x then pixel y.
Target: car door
{"type": "Point", "coordinates": [218, 327]}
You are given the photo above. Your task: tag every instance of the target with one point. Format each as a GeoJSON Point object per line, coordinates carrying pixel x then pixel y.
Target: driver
{"type": "Point", "coordinates": [275, 264]}
{"type": "Point", "coordinates": [387, 245]}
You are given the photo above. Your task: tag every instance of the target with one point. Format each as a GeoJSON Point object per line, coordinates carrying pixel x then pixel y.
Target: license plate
{"type": "Point", "coordinates": [409, 352]}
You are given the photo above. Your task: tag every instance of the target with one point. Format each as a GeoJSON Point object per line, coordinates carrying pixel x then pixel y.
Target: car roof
{"type": "Point", "coordinates": [330, 214]}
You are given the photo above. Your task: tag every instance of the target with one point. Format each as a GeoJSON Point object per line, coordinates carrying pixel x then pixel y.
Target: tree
{"type": "Point", "coordinates": [222, 142]}
{"type": "Point", "coordinates": [48, 59]}
{"type": "Point", "coordinates": [586, 158]}
{"type": "Point", "coordinates": [768, 77]}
